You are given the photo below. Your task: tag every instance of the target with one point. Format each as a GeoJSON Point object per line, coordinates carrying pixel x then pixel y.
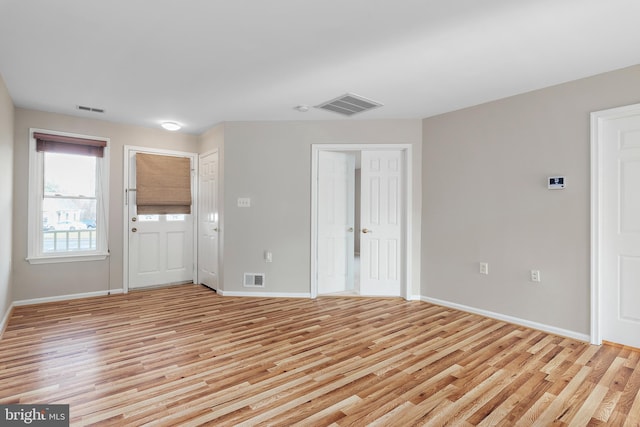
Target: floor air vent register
{"type": "Point", "coordinates": [254, 280]}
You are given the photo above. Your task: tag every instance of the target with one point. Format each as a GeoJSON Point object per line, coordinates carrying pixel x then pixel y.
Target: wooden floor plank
{"type": "Point", "coordinates": [183, 355]}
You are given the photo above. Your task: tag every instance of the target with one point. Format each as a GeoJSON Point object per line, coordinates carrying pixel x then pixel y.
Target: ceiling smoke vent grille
{"type": "Point", "coordinates": [349, 104]}
{"type": "Point", "coordinates": [91, 109]}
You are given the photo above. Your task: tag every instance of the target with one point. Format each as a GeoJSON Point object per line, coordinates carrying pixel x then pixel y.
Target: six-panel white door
{"type": "Point", "coordinates": [160, 246]}
{"type": "Point", "coordinates": [208, 227]}
{"type": "Point", "coordinates": [336, 189]}
{"type": "Point", "coordinates": [381, 223]}
{"type": "Point", "coordinates": [620, 241]}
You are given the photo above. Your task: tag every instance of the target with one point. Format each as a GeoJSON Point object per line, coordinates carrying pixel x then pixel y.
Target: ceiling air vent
{"type": "Point", "coordinates": [91, 109]}
{"type": "Point", "coordinates": [349, 104]}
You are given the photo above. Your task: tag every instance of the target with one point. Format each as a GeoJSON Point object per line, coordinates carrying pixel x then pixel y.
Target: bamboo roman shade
{"type": "Point", "coordinates": [163, 184]}
{"type": "Point", "coordinates": [69, 145]}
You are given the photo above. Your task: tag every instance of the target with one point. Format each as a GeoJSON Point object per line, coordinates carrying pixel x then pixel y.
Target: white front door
{"type": "Point", "coordinates": [381, 223]}
{"type": "Point", "coordinates": [160, 246]}
{"type": "Point", "coordinates": [208, 229]}
{"type": "Point", "coordinates": [620, 241]}
{"type": "Point", "coordinates": [336, 206]}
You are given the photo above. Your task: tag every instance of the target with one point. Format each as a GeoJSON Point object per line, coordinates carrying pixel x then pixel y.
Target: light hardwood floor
{"type": "Point", "coordinates": [186, 356]}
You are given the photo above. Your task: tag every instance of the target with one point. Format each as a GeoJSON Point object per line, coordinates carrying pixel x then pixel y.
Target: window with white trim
{"type": "Point", "coordinates": [68, 191]}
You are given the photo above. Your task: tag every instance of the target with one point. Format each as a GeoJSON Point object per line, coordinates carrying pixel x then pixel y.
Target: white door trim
{"type": "Point", "coordinates": [406, 285]}
{"type": "Point", "coordinates": [597, 139]}
{"type": "Point", "coordinates": [125, 206]}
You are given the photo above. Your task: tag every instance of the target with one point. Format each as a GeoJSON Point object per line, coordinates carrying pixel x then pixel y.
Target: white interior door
{"type": "Point", "coordinates": [208, 229]}
{"type": "Point", "coordinates": [336, 205]}
{"type": "Point", "coordinates": [160, 246]}
{"type": "Point", "coordinates": [620, 238]}
{"type": "Point", "coordinates": [381, 223]}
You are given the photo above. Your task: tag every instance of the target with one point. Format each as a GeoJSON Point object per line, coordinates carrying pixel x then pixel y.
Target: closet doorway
{"type": "Point", "coordinates": [359, 220]}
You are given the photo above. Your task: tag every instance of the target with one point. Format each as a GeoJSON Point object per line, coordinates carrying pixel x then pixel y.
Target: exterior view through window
{"type": "Point", "coordinates": [69, 203]}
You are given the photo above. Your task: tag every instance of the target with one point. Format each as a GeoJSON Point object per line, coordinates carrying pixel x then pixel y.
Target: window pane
{"type": "Point", "coordinates": [148, 218]}
{"type": "Point", "coordinates": [176, 217]}
{"type": "Point", "coordinates": [68, 241]}
{"type": "Point", "coordinates": [69, 175]}
{"type": "Point", "coordinates": [68, 224]}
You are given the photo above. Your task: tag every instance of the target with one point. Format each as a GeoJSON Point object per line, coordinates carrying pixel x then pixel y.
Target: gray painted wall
{"type": "Point", "coordinates": [485, 200]}
{"type": "Point", "coordinates": [6, 200]}
{"type": "Point", "coordinates": [47, 280]}
{"type": "Point", "coordinates": [270, 162]}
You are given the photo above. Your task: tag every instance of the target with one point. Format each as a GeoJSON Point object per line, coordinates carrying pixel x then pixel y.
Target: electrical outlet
{"type": "Point", "coordinates": [484, 268]}
{"type": "Point", "coordinates": [535, 275]}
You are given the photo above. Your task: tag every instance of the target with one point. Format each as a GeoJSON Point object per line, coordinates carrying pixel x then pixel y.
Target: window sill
{"type": "Point", "coordinates": [51, 259]}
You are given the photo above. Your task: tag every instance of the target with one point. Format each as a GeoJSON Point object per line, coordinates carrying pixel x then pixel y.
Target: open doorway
{"type": "Point", "coordinates": [359, 226]}
{"type": "Point", "coordinates": [338, 222]}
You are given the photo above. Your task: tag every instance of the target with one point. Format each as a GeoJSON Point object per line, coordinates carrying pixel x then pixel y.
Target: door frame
{"type": "Point", "coordinates": [407, 192]}
{"type": "Point", "coordinates": [125, 208]}
{"type": "Point", "coordinates": [598, 118]}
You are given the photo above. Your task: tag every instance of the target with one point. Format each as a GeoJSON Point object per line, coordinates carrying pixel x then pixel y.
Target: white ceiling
{"type": "Point", "coordinates": [201, 62]}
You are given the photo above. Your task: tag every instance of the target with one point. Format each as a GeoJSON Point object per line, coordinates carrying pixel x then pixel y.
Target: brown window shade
{"type": "Point", "coordinates": [163, 184]}
{"type": "Point", "coordinates": [69, 145]}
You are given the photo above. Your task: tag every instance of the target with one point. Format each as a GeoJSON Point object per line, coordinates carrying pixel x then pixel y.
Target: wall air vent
{"type": "Point", "coordinates": [254, 280]}
{"type": "Point", "coordinates": [90, 109]}
{"type": "Point", "coordinates": [349, 104]}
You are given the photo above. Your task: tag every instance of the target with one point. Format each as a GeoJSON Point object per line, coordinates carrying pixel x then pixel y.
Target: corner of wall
{"type": "Point", "coordinates": [7, 116]}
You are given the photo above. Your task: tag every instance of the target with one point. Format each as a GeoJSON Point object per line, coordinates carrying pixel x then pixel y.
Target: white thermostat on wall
{"type": "Point", "coordinates": [556, 183]}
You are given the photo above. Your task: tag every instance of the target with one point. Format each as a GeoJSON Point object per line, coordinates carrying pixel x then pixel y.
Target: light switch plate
{"type": "Point", "coordinates": [244, 202]}
{"type": "Point", "coordinates": [484, 268]}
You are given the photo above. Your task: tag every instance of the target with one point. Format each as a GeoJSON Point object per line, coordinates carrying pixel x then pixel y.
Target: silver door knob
{"type": "Point", "coordinates": [133, 230]}
{"type": "Point", "coordinates": [350, 230]}
{"type": "Point", "coordinates": [366, 230]}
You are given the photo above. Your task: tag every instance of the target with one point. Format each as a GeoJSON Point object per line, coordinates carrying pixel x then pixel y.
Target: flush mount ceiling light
{"type": "Point", "coordinates": [302, 108]}
{"type": "Point", "coordinates": [170, 126]}
{"type": "Point", "coordinates": [349, 104]}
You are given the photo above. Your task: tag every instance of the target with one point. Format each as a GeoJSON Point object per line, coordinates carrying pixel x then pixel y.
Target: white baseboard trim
{"type": "Point", "coordinates": [510, 319]}
{"type": "Point", "coordinates": [264, 294]}
{"type": "Point", "coordinates": [67, 297]}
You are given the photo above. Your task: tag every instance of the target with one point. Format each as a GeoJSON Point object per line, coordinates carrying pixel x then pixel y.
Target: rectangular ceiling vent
{"type": "Point", "coordinates": [349, 104]}
{"type": "Point", "coordinates": [91, 109]}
